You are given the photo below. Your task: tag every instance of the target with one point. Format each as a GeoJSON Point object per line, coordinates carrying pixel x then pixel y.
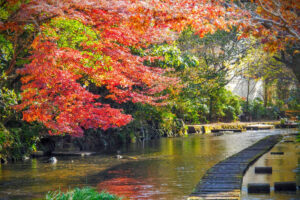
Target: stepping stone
{"type": "Point", "coordinates": [288, 141]}
{"type": "Point", "coordinates": [258, 188]}
{"type": "Point", "coordinates": [285, 186]}
{"type": "Point", "coordinates": [226, 130]}
{"type": "Point", "coordinates": [263, 170]}
{"type": "Point", "coordinates": [225, 177]}
{"type": "Point", "coordinates": [277, 153]}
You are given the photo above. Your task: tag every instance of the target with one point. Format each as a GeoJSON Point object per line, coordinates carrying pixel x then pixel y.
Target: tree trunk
{"type": "Point", "coordinates": [266, 96]}
{"type": "Point", "coordinates": [210, 108]}
{"type": "Point", "coordinates": [247, 100]}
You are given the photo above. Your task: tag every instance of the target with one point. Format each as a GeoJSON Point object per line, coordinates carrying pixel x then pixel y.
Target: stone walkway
{"type": "Point", "coordinates": [224, 180]}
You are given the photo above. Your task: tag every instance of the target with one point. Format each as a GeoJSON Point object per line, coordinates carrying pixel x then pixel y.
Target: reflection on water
{"type": "Point", "coordinates": [168, 168]}
{"type": "Point", "coordinates": [285, 168]}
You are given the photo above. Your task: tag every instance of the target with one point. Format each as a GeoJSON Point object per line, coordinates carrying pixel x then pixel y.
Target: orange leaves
{"type": "Point", "coordinates": [56, 82]}
{"type": "Point", "coordinates": [281, 18]}
{"type": "Point", "coordinates": [52, 95]}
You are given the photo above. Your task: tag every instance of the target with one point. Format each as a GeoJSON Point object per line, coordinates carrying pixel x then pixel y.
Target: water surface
{"type": "Point", "coordinates": [285, 168]}
{"type": "Point", "coordinates": [168, 168]}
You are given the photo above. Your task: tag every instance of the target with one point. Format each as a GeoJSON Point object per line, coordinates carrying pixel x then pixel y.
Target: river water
{"type": "Point", "coordinates": [167, 168]}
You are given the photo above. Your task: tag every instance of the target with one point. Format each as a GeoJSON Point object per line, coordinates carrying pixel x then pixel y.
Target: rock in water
{"type": "Point", "coordinates": [24, 158]}
{"type": "Point", "coordinates": [52, 160]}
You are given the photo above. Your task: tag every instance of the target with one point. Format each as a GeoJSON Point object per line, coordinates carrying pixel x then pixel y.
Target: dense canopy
{"type": "Point", "coordinates": [75, 44]}
{"type": "Point", "coordinates": [76, 48]}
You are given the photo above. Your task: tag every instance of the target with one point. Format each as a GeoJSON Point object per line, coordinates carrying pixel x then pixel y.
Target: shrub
{"type": "Point", "coordinates": [18, 141]}
{"type": "Point", "coordinates": [294, 99]}
{"type": "Point", "coordinates": [81, 194]}
{"type": "Point", "coordinates": [257, 111]}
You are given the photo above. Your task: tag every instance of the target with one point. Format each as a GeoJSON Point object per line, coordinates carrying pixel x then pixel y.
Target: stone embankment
{"type": "Point", "coordinates": [233, 127]}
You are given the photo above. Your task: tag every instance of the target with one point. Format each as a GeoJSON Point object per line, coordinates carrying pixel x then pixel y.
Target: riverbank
{"type": "Point", "coordinates": [208, 128]}
{"type": "Point", "coordinates": [91, 143]}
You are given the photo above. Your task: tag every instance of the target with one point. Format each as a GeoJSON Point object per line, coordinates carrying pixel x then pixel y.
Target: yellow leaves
{"type": "Point", "coordinates": [259, 9]}
{"type": "Point", "coordinates": [228, 65]}
{"type": "Point", "coordinates": [86, 83]}
{"type": "Point", "coordinates": [265, 32]}
{"type": "Point", "coordinates": [296, 52]}
{"type": "Point", "coordinates": [230, 9]}
{"type": "Point", "coordinates": [133, 157]}
{"type": "Point", "coordinates": [35, 42]}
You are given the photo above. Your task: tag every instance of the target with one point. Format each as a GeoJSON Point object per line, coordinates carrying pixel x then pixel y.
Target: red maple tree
{"type": "Point", "coordinates": [53, 89]}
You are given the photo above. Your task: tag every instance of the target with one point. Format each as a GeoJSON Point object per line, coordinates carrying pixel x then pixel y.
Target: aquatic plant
{"type": "Point", "coordinates": [85, 193]}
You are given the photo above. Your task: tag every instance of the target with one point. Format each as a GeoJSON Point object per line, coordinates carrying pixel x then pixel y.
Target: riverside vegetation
{"type": "Point", "coordinates": [81, 194]}
{"type": "Point", "coordinates": [125, 70]}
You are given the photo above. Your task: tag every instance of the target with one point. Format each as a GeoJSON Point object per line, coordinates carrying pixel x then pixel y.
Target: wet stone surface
{"type": "Point", "coordinates": [234, 171]}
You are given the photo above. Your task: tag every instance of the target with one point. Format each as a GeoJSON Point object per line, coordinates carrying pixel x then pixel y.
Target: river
{"type": "Point", "coordinates": [167, 168]}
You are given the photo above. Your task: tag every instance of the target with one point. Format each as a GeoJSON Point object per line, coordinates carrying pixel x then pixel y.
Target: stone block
{"type": "Point", "coordinates": [277, 153]}
{"type": "Point", "coordinates": [263, 170]}
{"type": "Point", "coordinates": [285, 186]}
{"type": "Point", "coordinates": [258, 188]}
{"type": "Point", "coordinates": [191, 129]}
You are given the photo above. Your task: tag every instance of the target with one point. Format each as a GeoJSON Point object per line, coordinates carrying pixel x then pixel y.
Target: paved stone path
{"type": "Point", "coordinates": [224, 180]}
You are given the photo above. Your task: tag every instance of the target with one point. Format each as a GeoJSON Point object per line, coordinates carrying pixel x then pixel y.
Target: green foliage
{"type": "Point", "coordinates": [173, 58]}
{"type": "Point", "coordinates": [206, 82]}
{"type": "Point", "coordinates": [81, 194]}
{"type": "Point", "coordinates": [256, 110]}
{"type": "Point", "coordinates": [151, 121]}
{"type": "Point", "coordinates": [74, 34]}
{"type": "Point", "coordinates": [214, 49]}
{"type": "Point", "coordinates": [191, 110]}
{"type": "Point", "coordinates": [6, 139]}
{"type": "Point", "coordinates": [294, 99]}
{"type": "Point", "coordinates": [8, 98]}
{"type": "Point", "coordinates": [225, 106]}
{"type": "Point", "coordinates": [6, 50]}
{"type": "Point", "coordinates": [203, 97]}
{"type": "Point", "coordinates": [171, 125]}
{"type": "Point", "coordinates": [18, 141]}
{"type": "Point", "coordinates": [3, 13]}
{"type": "Point", "coordinates": [70, 33]}
{"type": "Point", "coordinates": [17, 138]}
